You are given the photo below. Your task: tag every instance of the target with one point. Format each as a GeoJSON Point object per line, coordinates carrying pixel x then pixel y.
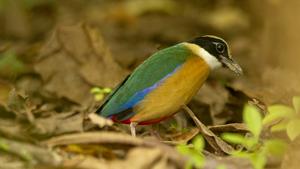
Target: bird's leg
{"type": "Point", "coordinates": [132, 128]}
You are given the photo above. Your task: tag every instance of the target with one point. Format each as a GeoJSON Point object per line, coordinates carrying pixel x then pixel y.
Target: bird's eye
{"type": "Point", "coordinates": [220, 48]}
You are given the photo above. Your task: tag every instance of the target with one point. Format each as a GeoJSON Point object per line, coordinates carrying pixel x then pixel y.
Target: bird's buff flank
{"type": "Point", "coordinates": [166, 81]}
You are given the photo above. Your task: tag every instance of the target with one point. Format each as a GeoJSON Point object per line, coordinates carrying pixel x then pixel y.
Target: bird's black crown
{"type": "Point", "coordinates": [214, 45]}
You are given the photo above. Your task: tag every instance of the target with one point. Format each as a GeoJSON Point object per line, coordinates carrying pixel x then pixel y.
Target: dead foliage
{"type": "Point", "coordinates": [52, 53]}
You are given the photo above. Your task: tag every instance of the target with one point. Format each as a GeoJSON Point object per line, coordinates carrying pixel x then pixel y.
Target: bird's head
{"type": "Point", "coordinates": [215, 52]}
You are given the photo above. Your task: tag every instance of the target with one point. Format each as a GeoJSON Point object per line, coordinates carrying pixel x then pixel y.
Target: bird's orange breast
{"type": "Point", "coordinates": [173, 92]}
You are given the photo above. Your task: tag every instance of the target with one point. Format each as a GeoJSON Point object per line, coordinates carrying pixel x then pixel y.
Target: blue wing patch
{"type": "Point", "coordinates": [125, 111]}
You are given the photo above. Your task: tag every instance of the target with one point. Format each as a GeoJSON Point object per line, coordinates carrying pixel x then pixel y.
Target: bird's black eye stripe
{"type": "Point", "coordinates": [220, 47]}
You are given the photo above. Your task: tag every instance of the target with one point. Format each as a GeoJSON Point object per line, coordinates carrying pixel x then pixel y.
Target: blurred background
{"type": "Point", "coordinates": [262, 34]}
{"type": "Point", "coordinates": [52, 53]}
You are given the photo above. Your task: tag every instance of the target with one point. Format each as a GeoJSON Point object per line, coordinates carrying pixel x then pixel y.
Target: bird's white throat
{"type": "Point", "coordinates": [211, 60]}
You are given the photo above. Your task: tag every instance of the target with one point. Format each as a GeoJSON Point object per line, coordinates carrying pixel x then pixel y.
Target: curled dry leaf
{"type": "Point", "coordinates": [58, 124]}
{"type": "Point", "coordinates": [218, 145]}
{"type": "Point", "coordinates": [182, 138]}
{"type": "Point", "coordinates": [78, 52]}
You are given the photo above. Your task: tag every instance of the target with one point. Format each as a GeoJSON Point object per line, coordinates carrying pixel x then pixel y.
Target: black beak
{"type": "Point", "coordinates": [232, 65]}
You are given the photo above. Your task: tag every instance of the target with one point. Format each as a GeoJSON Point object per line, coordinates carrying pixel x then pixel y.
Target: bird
{"type": "Point", "coordinates": [166, 81]}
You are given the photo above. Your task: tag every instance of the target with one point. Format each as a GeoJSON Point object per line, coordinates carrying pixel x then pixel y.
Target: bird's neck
{"type": "Point", "coordinates": [211, 61]}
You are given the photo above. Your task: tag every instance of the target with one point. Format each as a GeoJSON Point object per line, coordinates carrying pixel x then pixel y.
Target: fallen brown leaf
{"type": "Point", "coordinates": [30, 152]}
{"type": "Point", "coordinates": [73, 60]}
{"type": "Point", "coordinates": [12, 129]}
{"type": "Point", "coordinates": [182, 138]}
{"type": "Point", "coordinates": [56, 124]}
{"type": "Point", "coordinates": [141, 158]}
{"type": "Point", "coordinates": [5, 88]}
{"type": "Point", "coordinates": [212, 162]}
{"type": "Point", "coordinates": [84, 162]}
{"type": "Point", "coordinates": [218, 145]}
{"type": "Point", "coordinates": [9, 161]}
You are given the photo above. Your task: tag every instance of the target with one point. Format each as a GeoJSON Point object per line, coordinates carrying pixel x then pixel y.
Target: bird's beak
{"type": "Point", "coordinates": [232, 65]}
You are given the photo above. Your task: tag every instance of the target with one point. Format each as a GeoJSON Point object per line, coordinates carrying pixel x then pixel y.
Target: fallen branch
{"type": "Point", "coordinates": [116, 138]}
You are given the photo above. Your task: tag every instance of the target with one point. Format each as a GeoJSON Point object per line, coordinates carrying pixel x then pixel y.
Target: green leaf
{"type": "Point", "coordinates": [233, 138]}
{"type": "Point", "coordinates": [95, 90]}
{"type": "Point", "coordinates": [221, 166]}
{"type": "Point", "coordinates": [296, 103]}
{"type": "Point", "coordinates": [253, 119]}
{"type": "Point", "coordinates": [275, 147]}
{"type": "Point", "coordinates": [198, 160]}
{"type": "Point", "coordinates": [99, 97]}
{"type": "Point", "coordinates": [99, 93]}
{"type": "Point", "coordinates": [189, 165]}
{"type": "Point", "coordinates": [184, 149]}
{"type": "Point", "coordinates": [10, 64]}
{"type": "Point", "coordinates": [107, 90]}
{"type": "Point", "coordinates": [251, 142]}
{"type": "Point", "coordinates": [277, 112]}
{"type": "Point", "coordinates": [3, 145]}
{"type": "Point", "coordinates": [258, 160]}
{"type": "Point", "coordinates": [241, 154]}
{"type": "Point", "coordinates": [293, 129]}
{"type": "Point", "coordinates": [281, 126]}
{"type": "Point", "coordinates": [198, 143]}
{"type": "Point", "coordinates": [195, 157]}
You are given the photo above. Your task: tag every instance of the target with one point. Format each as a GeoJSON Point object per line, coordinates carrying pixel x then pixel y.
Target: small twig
{"type": "Point", "coordinates": [214, 141]}
{"type": "Point", "coordinates": [232, 127]}
{"type": "Point", "coordinates": [29, 115]}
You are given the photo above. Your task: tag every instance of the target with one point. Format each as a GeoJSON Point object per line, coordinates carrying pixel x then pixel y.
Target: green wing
{"type": "Point", "coordinates": [144, 79]}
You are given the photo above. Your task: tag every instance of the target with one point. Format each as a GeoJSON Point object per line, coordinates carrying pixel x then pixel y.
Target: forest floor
{"type": "Point", "coordinates": [59, 59]}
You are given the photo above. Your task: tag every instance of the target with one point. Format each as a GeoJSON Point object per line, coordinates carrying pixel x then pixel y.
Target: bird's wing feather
{"type": "Point", "coordinates": [144, 79]}
{"type": "Point", "coordinates": [111, 94]}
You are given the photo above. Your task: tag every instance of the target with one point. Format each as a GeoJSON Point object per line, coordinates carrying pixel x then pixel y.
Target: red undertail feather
{"type": "Point", "coordinates": [148, 122]}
